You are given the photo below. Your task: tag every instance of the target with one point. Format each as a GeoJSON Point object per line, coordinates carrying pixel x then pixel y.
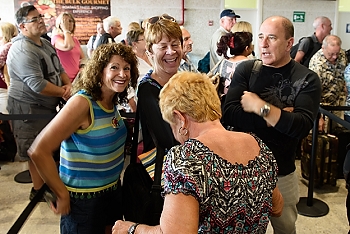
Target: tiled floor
{"type": "Point", "coordinates": [14, 198]}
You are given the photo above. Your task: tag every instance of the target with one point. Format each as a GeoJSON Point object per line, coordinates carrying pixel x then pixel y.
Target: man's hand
{"type": "Point", "coordinates": [67, 91]}
{"type": "Point", "coordinates": [321, 124]}
{"type": "Point", "coordinates": [251, 102]}
{"type": "Point", "coordinates": [288, 109]}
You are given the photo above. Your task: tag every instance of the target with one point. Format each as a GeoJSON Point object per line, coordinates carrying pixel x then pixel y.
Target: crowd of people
{"type": "Point", "coordinates": [230, 147]}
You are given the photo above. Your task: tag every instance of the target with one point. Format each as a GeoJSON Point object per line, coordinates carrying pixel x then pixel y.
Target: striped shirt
{"type": "Point", "coordinates": [92, 159]}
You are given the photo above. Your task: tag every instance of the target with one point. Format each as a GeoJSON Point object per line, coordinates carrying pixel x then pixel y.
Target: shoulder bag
{"type": "Point", "coordinates": [142, 200]}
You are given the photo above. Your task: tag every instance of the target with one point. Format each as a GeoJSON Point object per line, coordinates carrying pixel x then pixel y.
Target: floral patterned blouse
{"type": "Point", "coordinates": [233, 198]}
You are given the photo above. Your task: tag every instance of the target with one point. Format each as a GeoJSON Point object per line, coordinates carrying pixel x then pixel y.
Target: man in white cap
{"type": "Point", "coordinates": [227, 20]}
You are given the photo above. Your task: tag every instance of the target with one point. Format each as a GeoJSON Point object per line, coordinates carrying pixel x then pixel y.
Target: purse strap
{"type": "Point", "coordinates": [160, 150]}
{"type": "Point", "coordinates": [158, 164]}
{"type": "Point", "coordinates": [135, 138]}
{"type": "Point", "coordinates": [210, 73]}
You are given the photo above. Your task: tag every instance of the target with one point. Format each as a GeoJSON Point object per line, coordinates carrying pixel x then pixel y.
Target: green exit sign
{"type": "Point", "coordinates": [299, 16]}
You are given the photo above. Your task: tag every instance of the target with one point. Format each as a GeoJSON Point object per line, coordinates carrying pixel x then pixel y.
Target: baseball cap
{"type": "Point", "coordinates": [230, 13]}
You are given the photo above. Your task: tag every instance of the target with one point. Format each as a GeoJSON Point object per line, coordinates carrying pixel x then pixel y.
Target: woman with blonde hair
{"type": "Point", "coordinates": [67, 46]}
{"type": "Point", "coordinates": [216, 181]}
{"type": "Point", "coordinates": [7, 32]}
{"type": "Point", "coordinates": [242, 26]}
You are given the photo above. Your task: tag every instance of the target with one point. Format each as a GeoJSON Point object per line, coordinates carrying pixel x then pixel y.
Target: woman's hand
{"type": "Point", "coordinates": [121, 227]}
{"type": "Point", "coordinates": [62, 205]}
{"type": "Point", "coordinates": [65, 23]}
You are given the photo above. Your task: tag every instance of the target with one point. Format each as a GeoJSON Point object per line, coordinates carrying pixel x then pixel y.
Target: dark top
{"type": "Point", "coordinates": [305, 46]}
{"type": "Point", "coordinates": [150, 115]}
{"type": "Point", "coordinates": [292, 85]}
{"type": "Point", "coordinates": [105, 39]}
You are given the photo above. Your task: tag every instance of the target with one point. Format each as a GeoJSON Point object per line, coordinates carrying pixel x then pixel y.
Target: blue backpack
{"type": "Point", "coordinates": [204, 64]}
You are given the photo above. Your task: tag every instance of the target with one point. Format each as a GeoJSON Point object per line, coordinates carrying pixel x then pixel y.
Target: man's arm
{"type": "Point", "coordinates": [303, 48]}
{"type": "Point", "coordinates": [233, 113]}
{"type": "Point", "coordinates": [244, 114]}
{"type": "Point", "coordinates": [299, 56]}
{"type": "Point", "coordinates": [71, 118]}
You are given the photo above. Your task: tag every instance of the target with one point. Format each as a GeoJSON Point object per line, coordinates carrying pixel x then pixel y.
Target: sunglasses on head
{"type": "Point", "coordinates": [155, 19]}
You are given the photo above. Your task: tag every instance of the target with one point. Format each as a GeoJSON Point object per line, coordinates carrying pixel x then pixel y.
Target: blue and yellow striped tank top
{"type": "Point", "coordinates": [92, 159]}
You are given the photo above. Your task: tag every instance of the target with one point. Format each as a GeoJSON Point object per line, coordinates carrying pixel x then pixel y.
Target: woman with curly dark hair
{"type": "Point", "coordinates": [93, 135]}
{"type": "Point", "coordinates": [239, 45]}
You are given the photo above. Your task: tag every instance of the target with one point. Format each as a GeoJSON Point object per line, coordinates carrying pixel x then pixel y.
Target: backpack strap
{"type": "Point", "coordinates": [309, 50]}
{"type": "Point", "coordinates": [255, 72]}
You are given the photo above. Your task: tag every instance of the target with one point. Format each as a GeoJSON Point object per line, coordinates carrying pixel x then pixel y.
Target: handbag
{"type": "Point", "coordinates": [142, 200]}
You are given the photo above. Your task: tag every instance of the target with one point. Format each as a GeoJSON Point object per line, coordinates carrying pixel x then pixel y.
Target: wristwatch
{"type": "Point", "coordinates": [265, 110]}
{"type": "Point", "coordinates": [132, 228]}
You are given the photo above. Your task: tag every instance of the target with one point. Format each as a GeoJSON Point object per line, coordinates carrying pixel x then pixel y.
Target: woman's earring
{"type": "Point", "coordinates": [99, 84]}
{"type": "Point", "coordinates": [183, 131]}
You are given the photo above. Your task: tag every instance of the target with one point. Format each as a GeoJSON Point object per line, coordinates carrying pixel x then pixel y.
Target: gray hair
{"type": "Point", "coordinates": [319, 20]}
{"type": "Point", "coordinates": [108, 22]}
{"type": "Point", "coordinates": [331, 40]}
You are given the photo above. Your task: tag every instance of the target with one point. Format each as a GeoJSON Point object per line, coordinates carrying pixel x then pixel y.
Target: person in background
{"type": "Point", "coordinates": [186, 63]}
{"type": "Point", "coordinates": [329, 63]}
{"type": "Point", "coordinates": [244, 26]}
{"type": "Point", "coordinates": [38, 83]}
{"type": "Point", "coordinates": [131, 27]}
{"type": "Point", "coordinates": [93, 135]}
{"type": "Point", "coordinates": [347, 82]}
{"type": "Point", "coordinates": [195, 172]}
{"type": "Point", "coordinates": [137, 41]}
{"type": "Point", "coordinates": [323, 27]}
{"type": "Point", "coordinates": [7, 32]}
{"type": "Point", "coordinates": [67, 46]}
{"type": "Point", "coordinates": [228, 18]}
{"type": "Point", "coordinates": [279, 106]}
{"type": "Point", "coordinates": [113, 28]}
{"type": "Point", "coordinates": [91, 45]}
{"type": "Point", "coordinates": [240, 47]}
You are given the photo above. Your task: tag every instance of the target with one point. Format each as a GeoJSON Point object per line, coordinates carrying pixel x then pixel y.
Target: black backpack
{"type": "Point", "coordinates": [313, 48]}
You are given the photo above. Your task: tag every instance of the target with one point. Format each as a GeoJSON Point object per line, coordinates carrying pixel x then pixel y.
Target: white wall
{"type": "Point", "coordinates": [312, 9]}
{"type": "Point", "coordinates": [343, 20]}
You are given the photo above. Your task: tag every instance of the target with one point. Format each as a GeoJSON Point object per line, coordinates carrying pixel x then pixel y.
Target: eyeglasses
{"type": "Point", "coordinates": [34, 19]}
{"type": "Point", "coordinates": [155, 19]}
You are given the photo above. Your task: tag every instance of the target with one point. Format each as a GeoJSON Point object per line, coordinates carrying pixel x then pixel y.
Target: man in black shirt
{"type": "Point", "coordinates": [279, 106]}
